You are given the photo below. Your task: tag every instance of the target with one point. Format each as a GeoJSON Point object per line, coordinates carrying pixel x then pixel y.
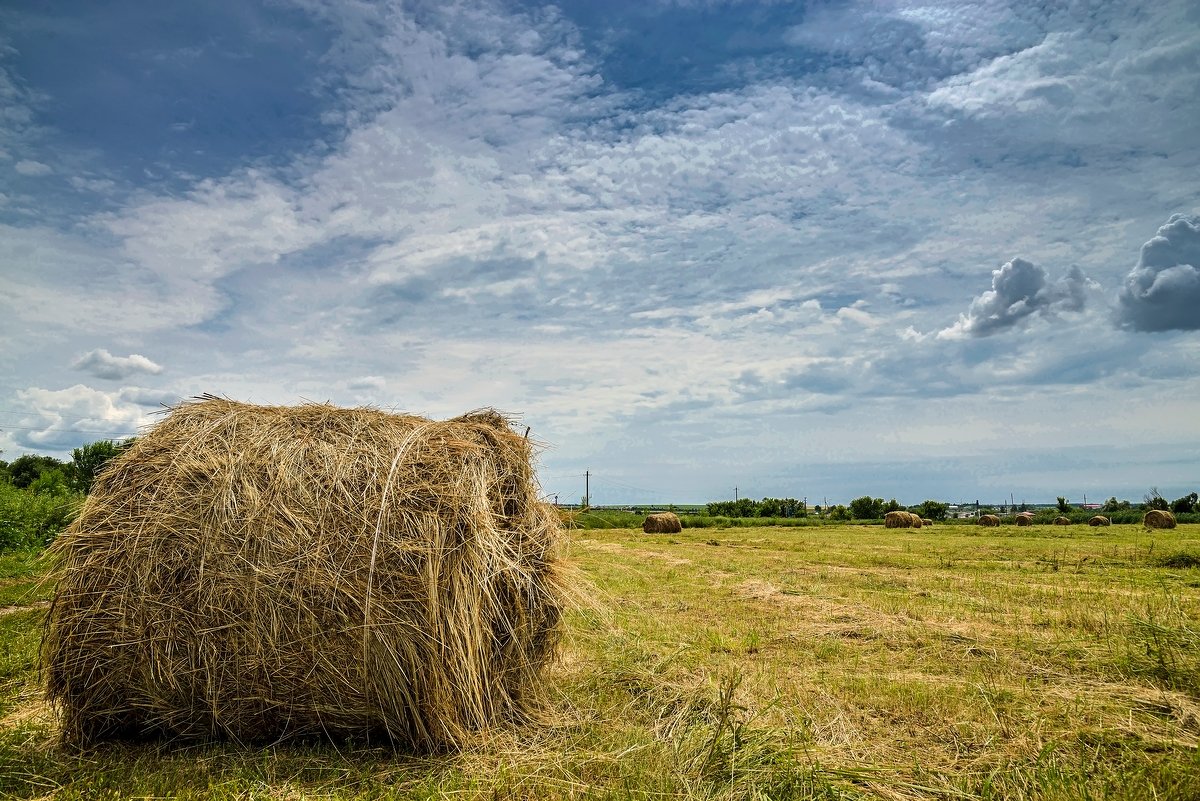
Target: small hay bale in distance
{"type": "Point", "coordinates": [1157, 518]}
{"type": "Point", "coordinates": [925, 521]}
{"type": "Point", "coordinates": [256, 572]}
{"type": "Point", "coordinates": [662, 523]}
{"type": "Point", "coordinates": [897, 520]}
{"type": "Point", "coordinates": [1099, 520]}
{"type": "Point", "coordinates": [989, 520]}
{"type": "Point", "coordinates": [1025, 519]}
{"type": "Point", "coordinates": [1062, 521]}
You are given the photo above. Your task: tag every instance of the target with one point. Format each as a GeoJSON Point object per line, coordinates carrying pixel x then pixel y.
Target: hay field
{"type": "Point", "coordinates": [838, 662]}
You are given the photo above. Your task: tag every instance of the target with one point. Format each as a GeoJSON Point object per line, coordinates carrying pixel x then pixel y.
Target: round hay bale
{"type": "Point", "coordinates": [1157, 518]}
{"type": "Point", "coordinates": [1099, 520]}
{"type": "Point", "coordinates": [925, 521]}
{"type": "Point", "coordinates": [1062, 521]}
{"type": "Point", "coordinates": [1025, 519]}
{"type": "Point", "coordinates": [917, 522]}
{"type": "Point", "coordinates": [258, 572]}
{"type": "Point", "coordinates": [897, 520]}
{"type": "Point", "coordinates": [662, 523]}
{"type": "Point", "coordinates": [989, 520]}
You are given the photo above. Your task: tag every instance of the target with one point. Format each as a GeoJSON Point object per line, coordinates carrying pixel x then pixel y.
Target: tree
{"type": "Point", "coordinates": [1063, 506]}
{"type": "Point", "coordinates": [1113, 505]}
{"type": "Point", "coordinates": [932, 510]}
{"type": "Point", "coordinates": [52, 482]}
{"type": "Point", "coordinates": [839, 512]}
{"type": "Point", "coordinates": [1186, 504]}
{"type": "Point", "coordinates": [1154, 500]}
{"type": "Point", "coordinates": [891, 506]}
{"type": "Point", "coordinates": [26, 469]}
{"type": "Point", "coordinates": [86, 462]}
{"type": "Point", "coordinates": [866, 508]}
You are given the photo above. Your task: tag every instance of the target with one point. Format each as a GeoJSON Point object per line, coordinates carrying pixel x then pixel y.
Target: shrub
{"type": "Point", "coordinates": [30, 519]}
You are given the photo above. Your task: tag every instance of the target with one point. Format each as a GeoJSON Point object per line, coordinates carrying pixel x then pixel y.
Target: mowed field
{"type": "Point", "coordinates": [824, 662]}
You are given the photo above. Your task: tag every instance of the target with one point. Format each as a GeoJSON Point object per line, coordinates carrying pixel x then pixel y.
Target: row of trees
{"type": "Point", "coordinates": [47, 475]}
{"type": "Point", "coordinates": [767, 507]}
{"type": "Point", "coordinates": [864, 508]}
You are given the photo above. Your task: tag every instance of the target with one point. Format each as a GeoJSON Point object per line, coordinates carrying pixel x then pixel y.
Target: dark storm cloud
{"type": "Point", "coordinates": [1162, 293]}
{"type": "Point", "coordinates": [1019, 290]}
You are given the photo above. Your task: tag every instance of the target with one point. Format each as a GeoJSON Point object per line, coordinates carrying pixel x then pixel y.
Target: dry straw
{"type": "Point", "coordinates": [1157, 518]}
{"type": "Point", "coordinates": [989, 520]}
{"type": "Point", "coordinates": [1099, 520]}
{"type": "Point", "coordinates": [1062, 521]}
{"type": "Point", "coordinates": [916, 520]}
{"type": "Point", "coordinates": [1025, 519]}
{"type": "Point", "coordinates": [260, 572]}
{"type": "Point", "coordinates": [662, 523]}
{"type": "Point", "coordinates": [897, 520]}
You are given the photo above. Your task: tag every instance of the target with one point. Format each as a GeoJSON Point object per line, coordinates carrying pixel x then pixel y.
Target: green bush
{"type": "Point", "coordinates": [31, 519]}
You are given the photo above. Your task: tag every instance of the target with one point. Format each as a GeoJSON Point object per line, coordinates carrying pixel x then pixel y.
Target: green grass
{"type": "Point", "coordinates": [826, 662]}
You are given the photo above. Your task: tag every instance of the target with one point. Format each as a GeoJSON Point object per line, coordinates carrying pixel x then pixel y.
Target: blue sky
{"type": "Point", "coordinates": [911, 249]}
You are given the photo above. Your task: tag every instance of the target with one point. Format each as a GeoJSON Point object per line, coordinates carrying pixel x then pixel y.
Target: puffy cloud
{"type": "Point", "coordinates": [103, 364]}
{"type": "Point", "coordinates": [67, 418]}
{"type": "Point", "coordinates": [1019, 290]}
{"type": "Point", "coordinates": [1162, 293]}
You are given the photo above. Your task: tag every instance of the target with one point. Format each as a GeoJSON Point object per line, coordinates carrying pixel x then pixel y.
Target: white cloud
{"type": "Point", "coordinates": [102, 364]}
{"type": "Point", "coordinates": [32, 168]}
{"type": "Point", "coordinates": [1162, 292]}
{"type": "Point", "coordinates": [66, 418]}
{"type": "Point", "coordinates": [1019, 290]}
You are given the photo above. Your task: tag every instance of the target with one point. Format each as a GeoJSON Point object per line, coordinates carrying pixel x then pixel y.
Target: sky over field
{"type": "Point", "coordinates": [910, 249]}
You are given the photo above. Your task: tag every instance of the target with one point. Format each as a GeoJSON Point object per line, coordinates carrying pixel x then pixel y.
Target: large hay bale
{"type": "Point", "coordinates": [259, 572]}
{"type": "Point", "coordinates": [989, 520]}
{"type": "Point", "coordinates": [917, 522]}
{"type": "Point", "coordinates": [1099, 520]}
{"type": "Point", "coordinates": [662, 523]}
{"type": "Point", "coordinates": [1062, 521]}
{"type": "Point", "coordinates": [897, 520]}
{"type": "Point", "coordinates": [1024, 519]}
{"type": "Point", "coordinates": [1157, 518]}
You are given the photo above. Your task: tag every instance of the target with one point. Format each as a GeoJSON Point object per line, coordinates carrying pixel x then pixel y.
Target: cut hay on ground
{"type": "Point", "coordinates": [897, 520]}
{"type": "Point", "coordinates": [662, 523]}
{"type": "Point", "coordinates": [259, 572]}
{"type": "Point", "coordinates": [1156, 518]}
{"type": "Point", "coordinates": [1099, 520]}
{"type": "Point", "coordinates": [989, 520]}
{"type": "Point", "coordinates": [1062, 521]}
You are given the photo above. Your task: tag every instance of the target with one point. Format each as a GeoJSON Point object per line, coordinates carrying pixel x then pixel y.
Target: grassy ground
{"type": "Point", "coordinates": [816, 663]}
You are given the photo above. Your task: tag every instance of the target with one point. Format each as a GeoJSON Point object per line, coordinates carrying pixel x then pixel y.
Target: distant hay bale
{"type": "Point", "coordinates": [1099, 520]}
{"type": "Point", "coordinates": [258, 572]}
{"type": "Point", "coordinates": [1156, 518]}
{"type": "Point", "coordinates": [897, 520]}
{"type": "Point", "coordinates": [989, 520]}
{"type": "Point", "coordinates": [925, 521]}
{"type": "Point", "coordinates": [1025, 519]}
{"type": "Point", "coordinates": [1062, 521]}
{"type": "Point", "coordinates": [662, 523]}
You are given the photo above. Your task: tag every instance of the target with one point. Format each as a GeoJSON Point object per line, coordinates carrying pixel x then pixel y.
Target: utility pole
{"type": "Point", "coordinates": [735, 493]}
{"type": "Point", "coordinates": [587, 493]}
